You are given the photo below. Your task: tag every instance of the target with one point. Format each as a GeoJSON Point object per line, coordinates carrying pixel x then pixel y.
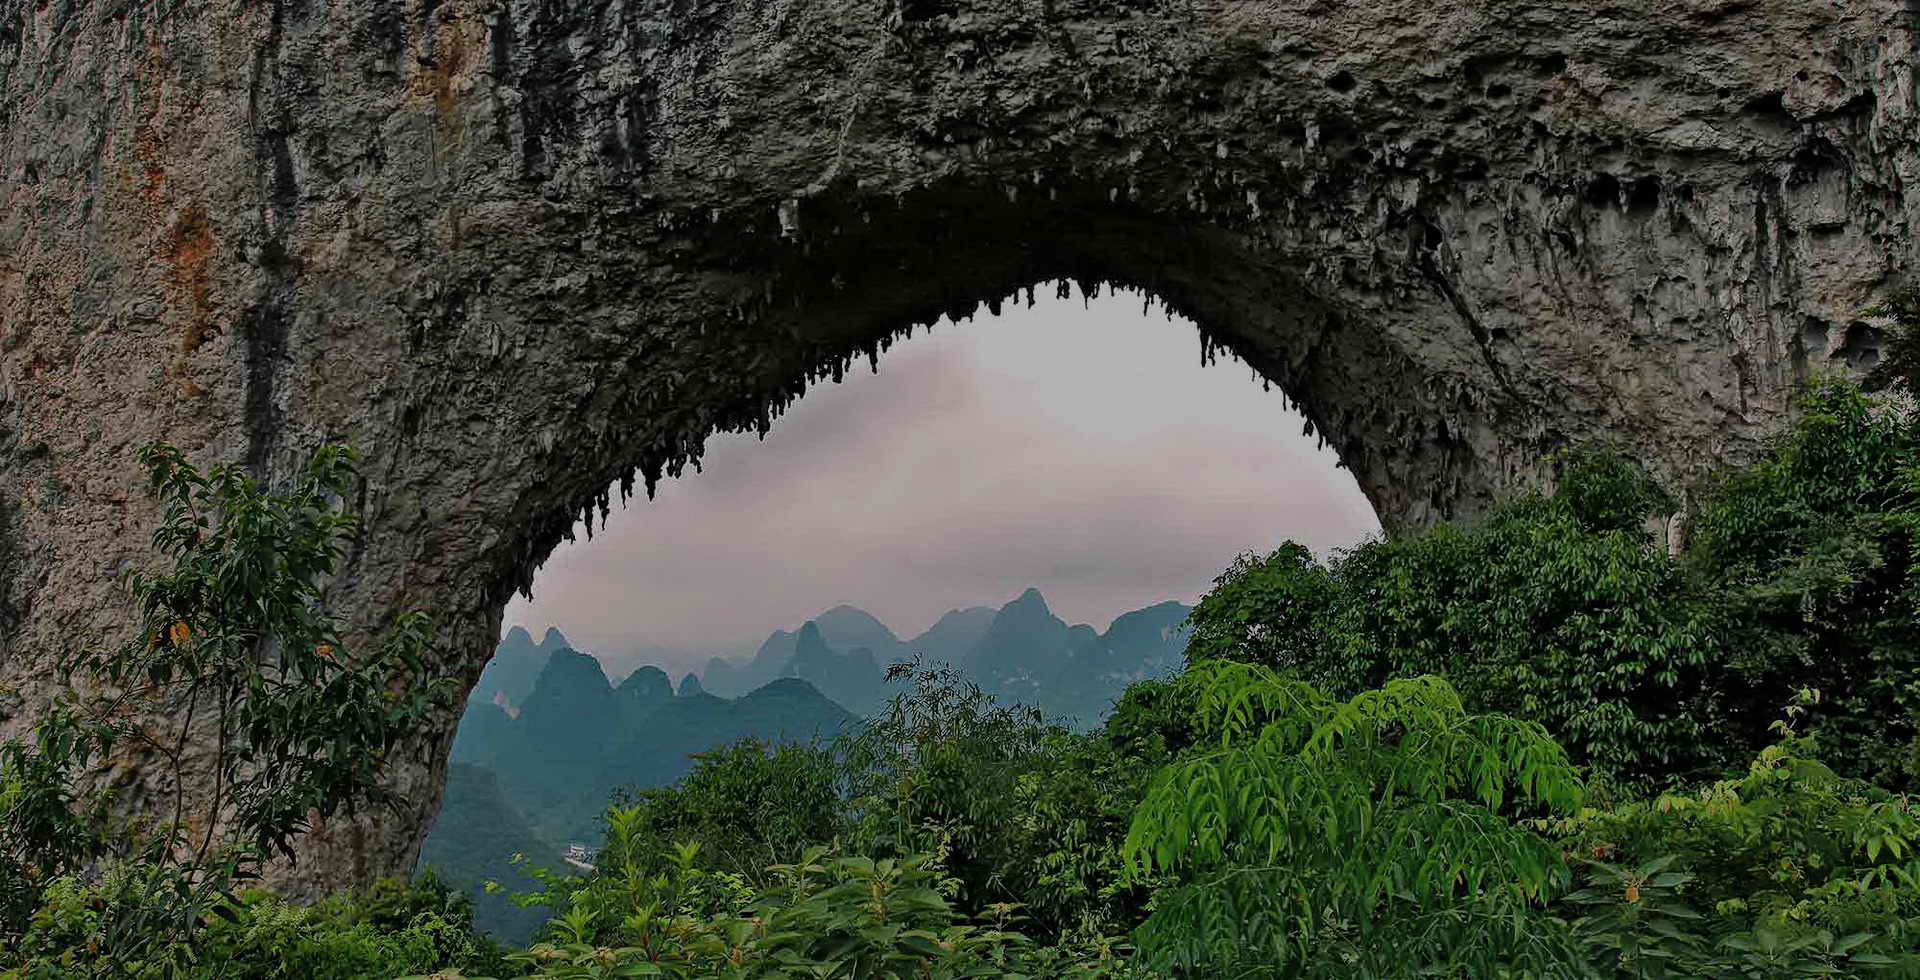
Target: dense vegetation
{"type": "Point", "coordinates": [547, 737]}
{"type": "Point", "coordinates": [1655, 669]}
{"type": "Point", "coordinates": [1574, 739]}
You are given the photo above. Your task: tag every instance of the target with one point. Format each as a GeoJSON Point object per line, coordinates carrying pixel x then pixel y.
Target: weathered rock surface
{"type": "Point", "coordinates": [514, 249]}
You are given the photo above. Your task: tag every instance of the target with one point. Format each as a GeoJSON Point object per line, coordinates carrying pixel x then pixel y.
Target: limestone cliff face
{"type": "Point", "coordinates": [514, 249]}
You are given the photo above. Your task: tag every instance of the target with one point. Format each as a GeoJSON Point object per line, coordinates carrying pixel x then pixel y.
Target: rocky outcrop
{"type": "Point", "coordinates": [517, 249]}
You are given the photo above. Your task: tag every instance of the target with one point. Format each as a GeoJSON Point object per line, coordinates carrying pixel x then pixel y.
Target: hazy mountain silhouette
{"type": "Point", "coordinates": [543, 779]}
{"type": "Point", "coordinates": [1145, 643]}
{"type": "Point", "coordinates": [848, 628]}
{"type": "Point", "coordinates": [483, 731]}
{"type": "Point", "coordinates": [950, 640]}
{"type": "Point", "coordinates": [1025, 637]}
{"type": "Point", "coordinates": [552, 751]}
{"type": "Point", "coordinates": [1020, 652]}
{"type": "Point", "coordinates": [723, 676]}
{"type": "Point", "coordinates": [578, 738]}
{"type": "Point", "coordinates": [854, 679]}
{"type": "Point", "coordinates": [646, 688]}
{"type": "Point", "coordinates": [516, 664]}
{"type": "Point", "coordinates": [772, 661]}
{"type": "Point", "coordinates": [843, 628]}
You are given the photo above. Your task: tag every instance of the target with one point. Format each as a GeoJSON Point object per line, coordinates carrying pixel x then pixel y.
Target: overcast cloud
{"type": "Point", "coordinates": [1082, 451]}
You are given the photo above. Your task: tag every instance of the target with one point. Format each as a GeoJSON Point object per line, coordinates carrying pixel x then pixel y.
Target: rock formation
{"type": "Point", "coordinates": [516, 249]}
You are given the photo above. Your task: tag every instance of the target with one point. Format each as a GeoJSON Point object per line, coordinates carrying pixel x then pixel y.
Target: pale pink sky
{"type": "Point", "coordinates": [1079, 449]}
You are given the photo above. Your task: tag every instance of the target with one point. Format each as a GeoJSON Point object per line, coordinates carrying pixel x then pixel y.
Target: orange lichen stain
{"type": "Point", "coordinates": [177, 370]}
{"type": "Point", "coordinates": [440, 66]}
{"type": "Point", "coordinates": [147, 151]}
{"type": "Point", "coordinates": [189, 249]}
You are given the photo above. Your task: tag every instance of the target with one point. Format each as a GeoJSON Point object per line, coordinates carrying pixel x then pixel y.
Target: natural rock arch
{"type": "Point", "coordinates": [514, 249]}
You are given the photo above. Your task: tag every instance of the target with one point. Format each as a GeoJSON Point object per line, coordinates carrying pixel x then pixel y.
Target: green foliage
{"type": "Point", "coordinates": [1786, 871]}
{"type": "Point", "coordinates": [1270, 610]}
{"type": "Point", "coordinates": [1900, 368]}
{"type": "Point", "coordinates": [747, 804]}
{"type": "Point", "coordinates": [1547, 610]}
{"type": "Point", "coordinates": [392, 929]}
{"type": "Point", "coordinates": [1604, 492]}
{"type": "Point", "coordinates": [233, 650]}
{"type": "Point", "coordinates": [1809, 556]}
{"type": "Point", "coordinates": [1564, 609]}
{"type": "Point", "coordinates": [826, 915]}
{"type": "Point", "coordinates": [1365, 838]}
{"type": "Point", "coordinates": [1153, 720]}
{"type": "Point", "coordinates": [1024, 811]}
{"type": "Point", "coordinates": [1021, 812]}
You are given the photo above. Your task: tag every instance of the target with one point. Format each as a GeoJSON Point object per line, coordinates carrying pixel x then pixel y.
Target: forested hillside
{"type": "Point", "coordinates": [539, 781]}
{"type": "Point", "coordinates": [475, 841]}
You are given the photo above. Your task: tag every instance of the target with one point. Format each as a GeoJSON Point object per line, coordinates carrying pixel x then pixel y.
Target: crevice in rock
{"type": "Point", "coordinates": [1430, 268]}
{"type": "Point", "coordinates": [1860, 346]}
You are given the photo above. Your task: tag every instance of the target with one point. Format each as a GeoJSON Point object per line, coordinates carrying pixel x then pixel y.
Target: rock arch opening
{"type": "Point", "coordinates": [1035, 497]}
{"type": "Point", "coordinates": [1014, 420]}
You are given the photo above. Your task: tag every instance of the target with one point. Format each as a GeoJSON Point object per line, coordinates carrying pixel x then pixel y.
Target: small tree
{"type": "Point", "coordinates": [233, 653]}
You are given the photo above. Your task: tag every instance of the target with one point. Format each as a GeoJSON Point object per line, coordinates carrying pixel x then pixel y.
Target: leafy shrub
{"type": "Point", "coordinates": [1786, 871]}
{"type": "Point", "coordinates": [747, 804]}
{"type": "Point", "coordinates": [1588, 629]}
{"type": "Point", "coordinates": [1365, 838]}
{"type": "Point", "coordinates": [1567, 610]}
{"type": "Point", "coordinates": [394, 928]}
{"type": "Point", "coordinates": [1023, 811]}
{"type": "Point", "coordinates": [1152, 720]}
{"type": "Point", "coordinates": [648, 914]}
{"type": "Point", "coordinates": [1899, 370]}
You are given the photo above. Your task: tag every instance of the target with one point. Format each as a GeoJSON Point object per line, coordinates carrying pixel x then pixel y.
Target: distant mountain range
{"type": "Point", "coordinates": [547, 738]}
{"type": "Point", "coordinates": [1019, 652]}
{"type": "Point", "coordinates": [577, 737]}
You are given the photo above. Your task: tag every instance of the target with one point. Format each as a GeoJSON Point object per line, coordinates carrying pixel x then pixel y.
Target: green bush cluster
{"type": "Point", "coordinates": [1785, 870]}
{"type": "Point", "coordinates": [1306, 836]}
{"type": "Point", "coordinates": [827, 914]}
{"type": "Point", "coordinates": [1573, 610]}
{"type": "Point", "coordinates": [393, 928]}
